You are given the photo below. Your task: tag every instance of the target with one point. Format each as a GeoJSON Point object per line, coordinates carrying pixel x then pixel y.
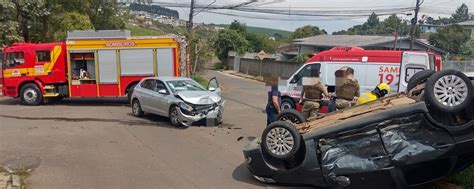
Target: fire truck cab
{"type": "Point", "coordinates": [371, 68]}
{"type": "Point", "coordinates": [89, 64]}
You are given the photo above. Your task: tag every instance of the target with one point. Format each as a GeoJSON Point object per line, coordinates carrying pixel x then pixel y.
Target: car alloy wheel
{"type": "Point", "coordinates": [174, 119]}
{"type": "Point", "coordinates": [136, 108]}
{"type": "Point", "coordinates": [280, 141]}
{"type": "Point", "coordinates": [291, 116]}
{"type": "Point", "coordinates": [450, 90]}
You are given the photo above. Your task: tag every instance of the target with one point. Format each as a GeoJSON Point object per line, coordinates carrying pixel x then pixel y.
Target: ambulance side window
{"type": "Point", "coordinates": [305, 72]}
{"type": "Point", "coordinates": [14, 59]}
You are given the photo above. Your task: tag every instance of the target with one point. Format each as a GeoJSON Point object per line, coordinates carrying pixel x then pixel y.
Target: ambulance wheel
{"type": "Point", "coordinates": [281, 140]}
{"type": "Point", "coordinates": [31, 95]}
{"type": "Point", "coordinates": [449, 91]}
{"type": "Point", "coordinates": [287, 104]}
{"type": "Point", "coordinates": [419, 78]}
{"type": "Point", "coordinates": [292, 116]}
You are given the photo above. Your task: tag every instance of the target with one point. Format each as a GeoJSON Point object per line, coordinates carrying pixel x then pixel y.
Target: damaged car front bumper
{"type": "Point", "coordinates": [211, 114]}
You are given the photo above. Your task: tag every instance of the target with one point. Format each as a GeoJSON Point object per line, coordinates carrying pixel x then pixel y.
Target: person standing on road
{"type": "Point", "coordinates": [311, 95]}
{"type": "Point", "coordinates": [273, 102]}
{"type": "Point", "coordinates": [347, 92]}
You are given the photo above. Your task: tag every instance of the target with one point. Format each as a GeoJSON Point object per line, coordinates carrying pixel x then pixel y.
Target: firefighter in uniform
{"type": "Point", "coordinates": [312, 95]}
{"type": "Point", "coordinates": [348, 90]}
{"type": "Point", "coordinates": [380, 91]}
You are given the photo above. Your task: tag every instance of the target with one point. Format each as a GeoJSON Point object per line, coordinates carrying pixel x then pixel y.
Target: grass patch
{"type": "Point", "coordinates": [200, 80]}
{"type": "Point", "coordinates": [464, 178]}
{"type": "Point", "coordinates": [140, 31]}
{"type": "Point", "coordinates": [218, 66]}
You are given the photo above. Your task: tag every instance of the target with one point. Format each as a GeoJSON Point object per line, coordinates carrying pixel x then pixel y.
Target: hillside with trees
{"type": "Point", "coordinates": [154, 9]}
{"type": "Point", "coordinates": [373, 26]}
{"type": "Point", "coordinates": [49, 20]}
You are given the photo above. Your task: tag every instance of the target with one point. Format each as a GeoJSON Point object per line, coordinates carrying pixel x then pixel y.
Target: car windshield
{"type": "Point", "coordinates": [184, 85]}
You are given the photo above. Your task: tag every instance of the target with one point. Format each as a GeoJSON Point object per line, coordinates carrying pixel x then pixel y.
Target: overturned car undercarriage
{"type": "Point", "coordinates": [399, 141]}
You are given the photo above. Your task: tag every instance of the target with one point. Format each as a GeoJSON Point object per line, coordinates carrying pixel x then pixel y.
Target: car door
{"type": "Point", "coordinates": [161, 97]}
{"type": "Point", "coordinates": [213, 85]}
{"type": "Point", "coordinates": [147, 95]}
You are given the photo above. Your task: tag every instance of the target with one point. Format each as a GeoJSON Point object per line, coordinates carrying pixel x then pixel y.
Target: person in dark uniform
{"type": "Point", "coordinates": [273, 101]}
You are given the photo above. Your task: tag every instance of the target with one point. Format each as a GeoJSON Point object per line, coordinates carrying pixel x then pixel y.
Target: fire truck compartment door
{"type": "Point", "coordinates": [165, 62]}
{"type": "Point", "coordinates": [107, 66]}
{"type": "Point", "coordinates": [412, 62]}
{"type": "Point", "coordinates": [136, 61]}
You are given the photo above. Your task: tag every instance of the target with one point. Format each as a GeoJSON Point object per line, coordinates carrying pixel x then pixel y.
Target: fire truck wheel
{"type": "Point", "coordinates": [31, 95]}
{"type": "Point", "coordinates": [287, 103]}
{"type": "Point", "coordinates": [137, 108]}
{"type": "Point", "coordinates": [281, 140]}
{"type": "Point", "coordinates": [448, 91]}
{"type": "Point", "coordinates": [418, 78]}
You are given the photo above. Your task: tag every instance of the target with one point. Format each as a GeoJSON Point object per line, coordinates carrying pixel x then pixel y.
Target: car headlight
{"type": "Point", "coordinates": [186, 107]}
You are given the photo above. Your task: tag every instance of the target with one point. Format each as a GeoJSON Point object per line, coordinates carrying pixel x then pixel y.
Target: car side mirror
{"type": "Point", "coordinates": [212, 89]}
{"type": "Point", "coordinates": [162, 91]}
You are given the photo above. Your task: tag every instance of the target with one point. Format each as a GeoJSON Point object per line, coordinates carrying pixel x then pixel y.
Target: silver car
{"type": "Point", "coordinates": [181, 99]}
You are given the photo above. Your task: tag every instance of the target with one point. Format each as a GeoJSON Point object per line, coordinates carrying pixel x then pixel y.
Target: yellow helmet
{"type": "Point", "coordinates": [383, 89]}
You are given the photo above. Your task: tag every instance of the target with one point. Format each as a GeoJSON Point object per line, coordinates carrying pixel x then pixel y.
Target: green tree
{"type": "Point", "coordinates": [450, 38]}
{"type": "Point", "coordinates": [461, 15]}
{"type": "Point", "coordinates": [69, 21]}
{"type": "Point", "coordinates": [238, 26]}
{"type": "Point", "coordinates": [228, 40]}
{"type": "Point", "coordinates": [9, 26]}
{"type": "Point", "coordinates": [105, 15]}
{"type": "Point", "coordinates": [306, 31]}
{"type": "Point", "coordinates": [373, 20]}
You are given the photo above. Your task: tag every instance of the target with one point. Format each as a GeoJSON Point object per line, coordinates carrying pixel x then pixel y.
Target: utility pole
{"type": "Point", "coordinates": [191, 15]}
{"type": "Point", "coordinates": [413, 25]}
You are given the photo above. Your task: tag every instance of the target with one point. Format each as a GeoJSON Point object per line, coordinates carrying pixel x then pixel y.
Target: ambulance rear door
{"type": "Point", "coordinates": [412, 62]}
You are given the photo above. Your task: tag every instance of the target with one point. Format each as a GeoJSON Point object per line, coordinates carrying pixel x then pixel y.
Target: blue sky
{"type": "Point", "coordinates": [432, 8]}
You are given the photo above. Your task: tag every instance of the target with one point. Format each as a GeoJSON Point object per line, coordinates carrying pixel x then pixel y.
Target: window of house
{"type": "Point", "coordinates": [14, 59]}
{"type": "Point", "coordinates": [43, 56]}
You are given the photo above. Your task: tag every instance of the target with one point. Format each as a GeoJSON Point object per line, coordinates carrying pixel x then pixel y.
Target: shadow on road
{"type": "Point", "coordinates": [153, 120]}
{"type": "Point", "coordinates": [242, 174]}
{"type": "Point", "coordinates": [74, 102]}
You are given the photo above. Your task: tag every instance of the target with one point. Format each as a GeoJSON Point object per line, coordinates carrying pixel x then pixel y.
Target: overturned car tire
{"type": "Point", "coordinates": [292, 116]}
{"type": "Point", "coordinates": [448, 91]}
{"type": "Point", "coordinates": [281, 140]}
{"type": "Point", "coordinates": [419, 78]}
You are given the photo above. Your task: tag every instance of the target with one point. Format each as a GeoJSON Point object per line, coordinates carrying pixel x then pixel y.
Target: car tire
{"type": "Point", "coordinates": [281, 140]}
{"type": "Point", "coordinates": [173, 115]}
{"type": "Point", "coordinates": [287, 104]}
{"type": "Point", "coordinates": [130, 92]}
{"type": "Point", "coordinates": [292, 116]}
{"type": "Point", "coordinates": [31, 95]}
{"type": "Point", "coordinates": [418, 78]}
{"type": "Point", "coordinates": [448, 91]}
{"type": "Point", "coordinates": [137, 108]}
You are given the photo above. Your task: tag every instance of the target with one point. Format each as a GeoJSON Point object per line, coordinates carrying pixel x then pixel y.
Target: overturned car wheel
{"type": "Point", "coordinates": [281, 140]}
{"type": "Point", "coordinates": [292, 116]}
{"type": "Point", "coordinates": [419, 78]}
{"type": "Point", "coordinates": [448, 91]}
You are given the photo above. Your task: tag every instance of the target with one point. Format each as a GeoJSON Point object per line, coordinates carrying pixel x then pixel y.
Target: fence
{"type": "Point", "coordinates": [266, 68]}
{"type": "Point", "coordinates": [464, 66]}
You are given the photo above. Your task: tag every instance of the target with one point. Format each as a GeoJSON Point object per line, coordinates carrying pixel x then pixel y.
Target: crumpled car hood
{"type": "Point", "coordinates": [199, 97]}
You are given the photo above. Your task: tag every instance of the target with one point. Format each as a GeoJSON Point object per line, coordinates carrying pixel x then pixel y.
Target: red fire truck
{"type": "Point", "coordinates": [89, 64]}
{"type": "Point", "coordinates": [371, 68]}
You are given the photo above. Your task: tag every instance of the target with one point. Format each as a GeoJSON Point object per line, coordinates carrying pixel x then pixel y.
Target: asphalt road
{"type": "Point", "coordinates": [97, 143]}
